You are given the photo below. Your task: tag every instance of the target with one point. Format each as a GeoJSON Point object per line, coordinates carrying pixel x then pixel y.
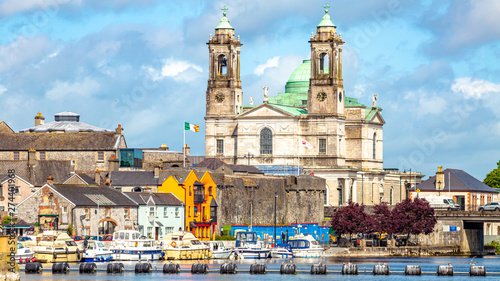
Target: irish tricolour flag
{"type": "Point", "coordinates": [192, 127]}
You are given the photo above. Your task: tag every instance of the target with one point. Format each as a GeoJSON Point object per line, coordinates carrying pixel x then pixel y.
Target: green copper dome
{"type": "Point", "coordinates": [299, 80]}
{"type": "Point", "coordinates": [224, 22]}
{"type": "Point", "coordinates": [326, 21]}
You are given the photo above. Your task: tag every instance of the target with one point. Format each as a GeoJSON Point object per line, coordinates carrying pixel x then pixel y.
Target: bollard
{"type": "Point", "coordinates": [228, 268]}
{"type": "Point", "coordinates": [33, 267]}
{"type": "Point", "coordinates": [60, 267]}
{"type": "Point", "coordinates": [116, 267]}
{"type": "Point", "coordinates": [319, 269]}
{"type": "Point", "coordinates": [199, 268]}
{"type": "Point", "coordinates": [477, 270]}
{"type": "Point", "coordinates": [88, 267]}
{"type": "Point", "coordinates": [445, 270]}
{"type": "Point", "coordinates": [381, 269]}
{"type": "Point", "coordinates": [258, 268]}
{"type": "Point", "coordinates": [413, 270]}
{"type": "Point", "coordinates": [288, 268]}
{"type": "Point", "coordinates": [350, 269]}
{"type": "Point", "coordinates": [143, 267]}
{"type": "Point", "coordinates": [171, 268]}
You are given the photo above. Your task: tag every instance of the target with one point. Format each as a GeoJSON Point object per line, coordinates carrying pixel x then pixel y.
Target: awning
{"type": "Point", "coordinates": [192, 225]}
{"type": "Point", "coordinates": [157, 223]}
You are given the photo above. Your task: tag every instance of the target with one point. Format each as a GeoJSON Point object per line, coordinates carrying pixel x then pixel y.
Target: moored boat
{"type": "Point", "coordinates": [128, 245]}
{"type": "Point", "coordinates": [282, 251]}
{"type": "Point", "coordinates": [248, 246]}
{"type": "Point", "coordinates": [305, 246]}
{"type": "Point", "coordinates": [94, 251]}
{"type": "Point", "coordinates": [181, 245]}
{"type": "Point", "coordinates": [52, 246]}
{"type": "Point", "coordinates": [23, 254]}
{"type": "Point", "coordinates": [219, 251]}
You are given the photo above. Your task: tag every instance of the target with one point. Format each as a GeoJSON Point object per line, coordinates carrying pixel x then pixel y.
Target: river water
{"type": "Point", "coordinates": [460, 264]}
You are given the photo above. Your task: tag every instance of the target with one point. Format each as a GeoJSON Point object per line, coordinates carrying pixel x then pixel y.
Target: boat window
{"type": "Point", "coordinates": [100, 244]}
{"type": "Point", "coordinates": [127, 236]}
{"type": "Point", "coordinates": [195, 242]}
{"type": "Point", "coordinates": [122, 235]}
{"type": "Point", "coordinates": [20, 246]}
{"type": "Point", "coordinates": [90, 246]}
{"type": "Point", "coordinates": [70, 243]}
{"type": "Point", "coordinates": [134, 236]}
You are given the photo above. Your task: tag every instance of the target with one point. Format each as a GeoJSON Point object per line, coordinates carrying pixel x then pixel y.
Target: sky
{"type": "Point", "coordinates": [434, 66]}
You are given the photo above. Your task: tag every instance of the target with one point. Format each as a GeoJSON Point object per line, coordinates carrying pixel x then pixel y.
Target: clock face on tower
{"type": "Point", "coordinates": [321, 96]}
{"type": "Point", "coordinates": [219, 97]}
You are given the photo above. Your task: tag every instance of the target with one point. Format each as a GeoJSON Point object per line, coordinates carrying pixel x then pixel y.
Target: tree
{"type": "Point", "coordinates": [493, 178]}
{"type": "Point", "coordinates": [413, 217]}
{"type": "Point", "coordinates": [382, 218]}
{"type": "Point", "coordinates": [70, 229]}
{"type": "Point", "coordinates": [351, 219]}
{"type": "Point", "coordinates": [6, 220]}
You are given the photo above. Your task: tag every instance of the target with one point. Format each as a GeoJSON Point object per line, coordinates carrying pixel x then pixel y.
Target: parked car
{"type": "Point", "coordinates": [76, 237]}
{"type": "Point", "coordinates": [492, 206]}
{"type": "Point", "coordinates": [23, 238]}
{"type": "Point", "coordinates": [107, 237]}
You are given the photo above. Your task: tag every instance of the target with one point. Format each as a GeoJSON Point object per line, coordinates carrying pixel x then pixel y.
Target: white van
{"type": "Point", "coordinates": [441, 203]}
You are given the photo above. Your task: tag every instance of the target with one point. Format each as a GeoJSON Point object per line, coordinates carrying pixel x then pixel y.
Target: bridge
{"type": "Point", "coordinates": [464, 229]}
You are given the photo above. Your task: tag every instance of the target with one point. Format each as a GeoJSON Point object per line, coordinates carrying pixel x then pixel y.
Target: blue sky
{"type": "Point", "coordinates": [433, 64]}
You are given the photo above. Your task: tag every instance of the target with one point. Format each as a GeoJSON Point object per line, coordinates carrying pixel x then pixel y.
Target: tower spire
{"type": "Point", "coordinates": [224, 22]}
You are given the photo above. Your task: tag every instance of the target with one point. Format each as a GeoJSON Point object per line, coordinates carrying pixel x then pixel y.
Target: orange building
{"type": "Point", "coordinates": [199, 197]}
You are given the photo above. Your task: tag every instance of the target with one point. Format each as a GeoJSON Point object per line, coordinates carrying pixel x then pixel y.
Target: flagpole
{"type": "Point", "coordinates": [184, 147]}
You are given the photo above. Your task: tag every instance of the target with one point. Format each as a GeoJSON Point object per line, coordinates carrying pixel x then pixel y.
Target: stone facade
{"type": "Point", "coordinates": [24, 189]}
{"type": "Point", "coordinates": [346, 136]}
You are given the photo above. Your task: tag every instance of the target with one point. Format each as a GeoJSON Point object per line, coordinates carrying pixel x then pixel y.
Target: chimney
{"type": "Point", "coordinates": [164, 147]}
{"type": "Point", "coordinates": [113, 164]}
{"type": "Point", "coordinates": [119, 130]}
{"type": "Point", "coordinates": [157, 171]}
{"type": "Point", "coordinates": [39, 119]}
{"type": "Point", "coordinates": [31, 157]}
{"type": "Point", "coordinates": [97, 177]}
{"type": "Point", "coordinates": [50, 180]}
{"type": "Point", "coordinates": [439, 183]}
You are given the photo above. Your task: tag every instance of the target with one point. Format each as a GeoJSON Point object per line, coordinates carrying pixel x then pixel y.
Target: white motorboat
{"type": "Point", "coordinates": [282, 251]}
{"type": "Point", "coordinates": [129, 246]}
{"type": "Point", "coordinates": [305, 246]}
{"type": "Point", "coordinates": [23, 254]}
{"type": "Point", "coordinates": [94, 251]}
{"type": "Point", "coordinates": [219, 251]}
{"type": "Point", "coordinates": [248, 246]}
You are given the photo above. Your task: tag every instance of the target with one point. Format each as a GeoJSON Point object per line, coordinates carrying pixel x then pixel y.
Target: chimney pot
{"type": "Point", "coordinates": [50, 180]}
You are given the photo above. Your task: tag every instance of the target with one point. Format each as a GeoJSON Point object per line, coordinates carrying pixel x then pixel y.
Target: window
{"type": "Point", "coordinates": [100, 156]}
{"type": "Point", "coordinates": [16, 155]}
{"type": "Point", "coordinates": [86, 231]}
{"type": "Point", "coordinates": [150, 231]}
{"type": "Point", "coordinates": [390, 195]}
{"type": "Point", "coordinates": [340, 189]}
{"type": "Point", "coordinates": [266, 141]}
{"type": "Point", "coordinates": [189, 211]}
{"type": "Point", "coordinates": [151, 211]}
{"type": "Point", "coordinates": [87, 213]}
{"type": "Point", "coordinates": [165, 213]}
{"type": "Point", "coordinates": [210, 191]}
{"type": "Point", "coordinates": [374, 144]}
{"type": "Point", "coordinates": [322, 145]}
{"type": "Point", "coordinates": [107, 212]}
{"type": "Point", "coordinates": [323, 63]}
{"type": "Point", "coordinates": [220, 146]}
{"type": "Point", "coordinates": [17, 191]}
{"type": "Point", "coordinates": [203, 213]}
{"type": "Point", "coordinates": [222, 63]}
{"type": "Point", "coordinates": [128, 228]}
{"type": "Point", "coordinates": [195, 211]}
{"type": "Point", "coordinates": [42, 155]}
{"type": "Point", "coordinates": [126, 213]}
{"type": "Point", "coordinates": [176, 212]}
{"type": "Point", "coordinates": [169, 229]}
{"type": "Point", "coordinates": [304, 102]}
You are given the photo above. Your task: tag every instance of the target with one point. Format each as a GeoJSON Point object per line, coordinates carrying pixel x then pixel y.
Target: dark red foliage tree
{"type": "Point", "coordinates": [382, 219]}
{"type": "Point", "coordinates": [413, 217]}
{"type": "Point", "coordinates": [351, 219]}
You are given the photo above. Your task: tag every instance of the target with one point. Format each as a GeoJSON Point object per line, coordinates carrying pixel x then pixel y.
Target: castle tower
{"type": "Point", "coordinates": [224, 95]}
{"type": "Point", "coordinates": [326, 93]}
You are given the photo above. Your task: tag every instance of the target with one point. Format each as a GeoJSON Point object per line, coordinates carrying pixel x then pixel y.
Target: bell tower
{"type": "Point", "coordinates": [224, 95]}
{"type": "Point", "coordinates": [326, 90]}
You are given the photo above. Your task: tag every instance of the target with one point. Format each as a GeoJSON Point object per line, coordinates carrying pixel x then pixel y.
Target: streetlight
{"type": "Point", "coordinates": [248, 156]}
{"type": "Point", "coordinates": [275, 199]}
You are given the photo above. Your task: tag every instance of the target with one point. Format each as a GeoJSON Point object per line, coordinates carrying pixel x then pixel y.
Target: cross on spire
{"type": "Point", "coordinates": [224, 10]}
{"type": "Point", "coordinates": [326, 8]}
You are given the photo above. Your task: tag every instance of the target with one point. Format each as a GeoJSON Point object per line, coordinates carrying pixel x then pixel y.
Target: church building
{"type": "Point", "coordinates": [312, 128]}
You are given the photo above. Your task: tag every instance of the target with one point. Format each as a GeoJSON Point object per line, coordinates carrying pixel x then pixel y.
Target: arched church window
{"type": "Point", "coordinates": [374, 144]}
{"type": "Point", "coordinates": [222, 62]}
{"type": "Point", "coordinates": [266, 141]}
{"type": "Point", "coordinates": [323, 63]}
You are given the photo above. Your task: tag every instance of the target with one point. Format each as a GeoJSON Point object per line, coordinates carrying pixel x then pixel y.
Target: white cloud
{"type": "Point", "coordinates": [2, 89]}
{"type": "Point", "coordinates": [431, 105]}
{"type": "Point", "coordinates": [473, 87]}
{"type": "Point", "coordinates": [61, 89]}
{"type": "Point", "coordinates": [272, 62]}
{"type": "Point", "coordinates": [175, 69]}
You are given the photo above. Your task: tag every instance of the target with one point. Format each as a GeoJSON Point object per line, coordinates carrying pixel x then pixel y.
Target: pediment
{"type": "Point", "coordinates": [265, 110]}
{"type": "Point", "coordinates": [377, 118]}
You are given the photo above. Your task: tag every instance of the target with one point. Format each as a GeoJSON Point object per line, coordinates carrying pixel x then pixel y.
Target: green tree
{"type": "Point", "coordinates": [6, 220]}
{"type": "Point", "coordinates": [70, 229]}
{"type": "Point", "coordinates": [493, 178]}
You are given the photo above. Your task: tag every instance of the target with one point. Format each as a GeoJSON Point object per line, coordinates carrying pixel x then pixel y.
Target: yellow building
{"type": "Point", "coordinates": [199, 197]}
